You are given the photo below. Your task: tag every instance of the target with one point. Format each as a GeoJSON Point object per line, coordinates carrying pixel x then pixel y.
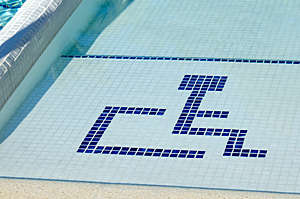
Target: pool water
{"type": "Point", "coordinates": [173, 93]}
{"type": "Point", "coordinates": [8, 8]}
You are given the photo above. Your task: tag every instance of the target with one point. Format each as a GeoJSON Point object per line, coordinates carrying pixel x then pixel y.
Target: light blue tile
{"type": "Point", "coordinates": [260, 99]}
{"type": "Point", "coordinates": [218, 28]}
{"type": "Point", "coordinates": [42, 138]}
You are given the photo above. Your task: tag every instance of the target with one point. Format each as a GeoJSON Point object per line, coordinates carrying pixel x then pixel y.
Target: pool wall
{"type": "Point", "coordinates": [13, 90]}
{"type": "Point", "coordinates": [26, 36]}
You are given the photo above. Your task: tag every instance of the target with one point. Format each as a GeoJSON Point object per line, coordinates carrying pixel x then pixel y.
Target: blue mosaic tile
{"type": "Point", "coordinates": [89, 143]}
{"type": "Point", "coordinates": [199, 85]}
{"type": "Point", "coordinates": [237, 60]}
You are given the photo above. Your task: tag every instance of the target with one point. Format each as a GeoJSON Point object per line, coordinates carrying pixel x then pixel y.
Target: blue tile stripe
{"type": "Point", "coordinates": [90, 142]}
{"type": "Point", "coordinates": [197, 59]}
{"type": "Point", "coordinates": [138, 151]}
{"type": "Point", "coordinates": [199, 85]}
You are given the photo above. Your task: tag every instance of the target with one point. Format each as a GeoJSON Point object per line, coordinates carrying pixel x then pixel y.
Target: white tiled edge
{"type": "Point", "coordinates": [28, 34]}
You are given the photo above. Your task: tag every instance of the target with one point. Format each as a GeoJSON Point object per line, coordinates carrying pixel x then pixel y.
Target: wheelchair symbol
{"type": "Point", "coordinates": [199, 85]}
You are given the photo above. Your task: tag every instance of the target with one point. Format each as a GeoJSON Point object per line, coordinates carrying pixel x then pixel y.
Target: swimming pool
{"type": "Point", "coordinates": [8, 9]}
{"type": "Point", "coordinates": [173, 93]}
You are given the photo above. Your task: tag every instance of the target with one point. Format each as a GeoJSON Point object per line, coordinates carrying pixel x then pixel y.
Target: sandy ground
{"type": "Point", "coordinates": [44, 189]}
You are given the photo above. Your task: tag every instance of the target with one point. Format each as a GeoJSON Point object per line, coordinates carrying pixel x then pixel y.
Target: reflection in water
{"type": "Point", "coordinates": [8, 8]}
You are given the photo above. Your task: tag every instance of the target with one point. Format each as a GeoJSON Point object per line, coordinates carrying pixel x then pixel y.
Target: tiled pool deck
{"type": "Point", "coordinates": [119, 118]}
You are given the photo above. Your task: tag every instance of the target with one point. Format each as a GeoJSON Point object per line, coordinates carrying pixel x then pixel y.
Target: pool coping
{"type": "Point", "coordinates": [24, 38]}
{"type": "Point", "coordinates": [44, 180]}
